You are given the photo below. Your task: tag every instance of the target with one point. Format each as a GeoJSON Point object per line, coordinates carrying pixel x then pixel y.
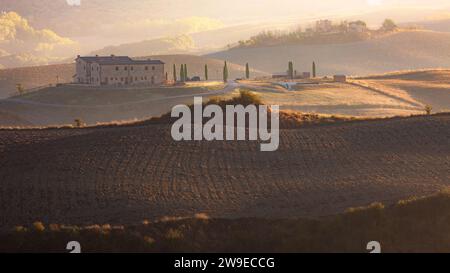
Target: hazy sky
{"type": "Point", "coordinates": [53, 28]}
{"type": "Point", "coordinates": [242, 10]}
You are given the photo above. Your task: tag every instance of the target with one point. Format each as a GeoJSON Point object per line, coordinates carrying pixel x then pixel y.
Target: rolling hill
{"type": "Point", "coordinates": [57, 106]}
{"type": "Point", "coordinates": [423, 87]}
{"type": "Point", "coordinates": [397, 51]}
{"type": "Point", "coordinates": [124, 174]}
{"type": "Point", "coordinates": [442, 25]}
{"type": "Point", "coordinates": [386, 95]}
{"type": "Point", "coordinates": [31, 77]}
{"type": "Point", "coordinates": [171, 45]}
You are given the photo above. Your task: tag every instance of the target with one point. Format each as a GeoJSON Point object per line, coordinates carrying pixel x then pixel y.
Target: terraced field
{"type": "Point", "coordinates": [128, 173]}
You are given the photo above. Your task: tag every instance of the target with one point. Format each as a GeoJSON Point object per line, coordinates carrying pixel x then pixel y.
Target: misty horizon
{"type": "Point", "coordinates": [39, 32]}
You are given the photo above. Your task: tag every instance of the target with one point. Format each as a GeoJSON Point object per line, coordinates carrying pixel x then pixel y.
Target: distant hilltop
{"type": "Point", "coordinates": [324, 31]}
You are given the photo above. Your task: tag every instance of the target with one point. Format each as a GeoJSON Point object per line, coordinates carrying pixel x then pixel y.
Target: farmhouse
{"type": "Point", "coordinates": [118, 70]}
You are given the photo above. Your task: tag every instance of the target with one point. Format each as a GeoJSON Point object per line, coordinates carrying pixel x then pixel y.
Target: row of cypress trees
{"type": "Point", "coordinates": [290, 71]}
{"type": "Point", "coordinates": [184, 72]}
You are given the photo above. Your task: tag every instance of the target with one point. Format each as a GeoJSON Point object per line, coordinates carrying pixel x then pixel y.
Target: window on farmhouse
{"type": "Point", "coordinates": [153, 68]}
{"type": "Point", "coordinates": [126, 68]}
{"type": "Point", "coordinates": [146, 68]}
{"type": "Point", "coordinates": [132, 68]}
{"type": "Point", "coordinates": [117, 68]}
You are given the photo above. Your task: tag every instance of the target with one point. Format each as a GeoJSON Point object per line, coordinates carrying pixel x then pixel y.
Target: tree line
{"type": "Point", "coordinates": [182, 76]}
{"type": "Point", "coordinates": [299, 35]}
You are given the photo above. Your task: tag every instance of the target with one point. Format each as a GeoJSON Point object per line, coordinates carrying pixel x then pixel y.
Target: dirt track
{"type": "Point", "coordinates": [126, 174]}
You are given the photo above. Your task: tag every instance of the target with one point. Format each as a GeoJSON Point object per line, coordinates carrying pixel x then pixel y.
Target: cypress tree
{"type": "Point", "coordinates": [291, 70]}
{"type": "Point", "coordinates": [185, 72]}
{"type": "Point", "coordinates": [174, 73]}
{"type": "Point", "coordinates": [206, 72]}
{"type": "Point", "coordinates": [182, 73]}
{"type": "Point", "coordinates": [314, 69]}
{"type": "Point", "coordinates": [225, 72]}
{"type": "Point", "coordinates": [247, 71]}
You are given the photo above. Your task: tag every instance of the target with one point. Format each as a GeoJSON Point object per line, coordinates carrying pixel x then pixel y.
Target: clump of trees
{"type": "Point", "coordinates": [311, 34]}
{"type": "Point", "coordinates": [78, 123]}
{"type": "Point", "coordinates": [389, 25]}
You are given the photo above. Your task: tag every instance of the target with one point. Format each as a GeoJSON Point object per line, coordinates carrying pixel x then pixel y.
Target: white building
{"type": "Point", "coordinates": [357, 26]}
{"type": "Point", "coordinates": [118, 70]}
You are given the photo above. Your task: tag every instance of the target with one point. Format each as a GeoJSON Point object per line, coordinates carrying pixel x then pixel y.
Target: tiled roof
{"type": "Point", "coordinates": [117, 60]}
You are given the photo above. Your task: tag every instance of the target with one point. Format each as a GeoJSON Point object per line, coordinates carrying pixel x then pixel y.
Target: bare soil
{"type": "Point", "coordinates": [123, 174]}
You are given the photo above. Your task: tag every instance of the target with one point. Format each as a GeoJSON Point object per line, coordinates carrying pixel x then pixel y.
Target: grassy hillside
{"type": "Point", "coordinates": [435, 25]}
{"type": "Point", "coordinates": [397, 51]}
{"type": "Point", "coordinates": [423, 87]}
{"type": "Point", "coordinates": [393, 94]}
{"type": "Point", "coordinates": [413, 225]}
{"type": "Point", "coordinates": [62, 105]}
{"type": "Point", "coordinates": [31, 77]}
{"type": "Point", "coordinates": [12, 120]}
{"type": "Point", "coordinates": [328, 97]}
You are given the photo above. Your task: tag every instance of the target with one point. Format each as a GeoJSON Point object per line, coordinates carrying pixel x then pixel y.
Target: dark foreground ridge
{"type": "Point", "coordinates": [414, 225]}
{"type": "Point", "coordinates": [123, 174]}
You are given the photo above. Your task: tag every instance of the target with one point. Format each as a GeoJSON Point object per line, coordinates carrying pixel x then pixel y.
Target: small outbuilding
{"type": "Point", "coordinates": [306, 75]}
{"type": "Point", "coordinates": [340, 78]}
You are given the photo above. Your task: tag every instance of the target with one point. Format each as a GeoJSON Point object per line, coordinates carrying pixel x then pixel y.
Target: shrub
{"type": "Point", "coordinates": [245, 98]}
{"type": "Point", "coordinates": [174, 234]}
{"type": "Point", "coordinates": [39, 226]}
{"type": "Point", "coordinates": [201, 216]}
{"type": "Point", "coordinates": [19, 229]}
{"type": "Point", "coordinates": [149, 240]}
{"type": "Point", "coordinates": [428, 109]}
{"type": "Point", "coordinates": [78, 123]}
{"type": "Point", "coordinates": [54, 227]}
